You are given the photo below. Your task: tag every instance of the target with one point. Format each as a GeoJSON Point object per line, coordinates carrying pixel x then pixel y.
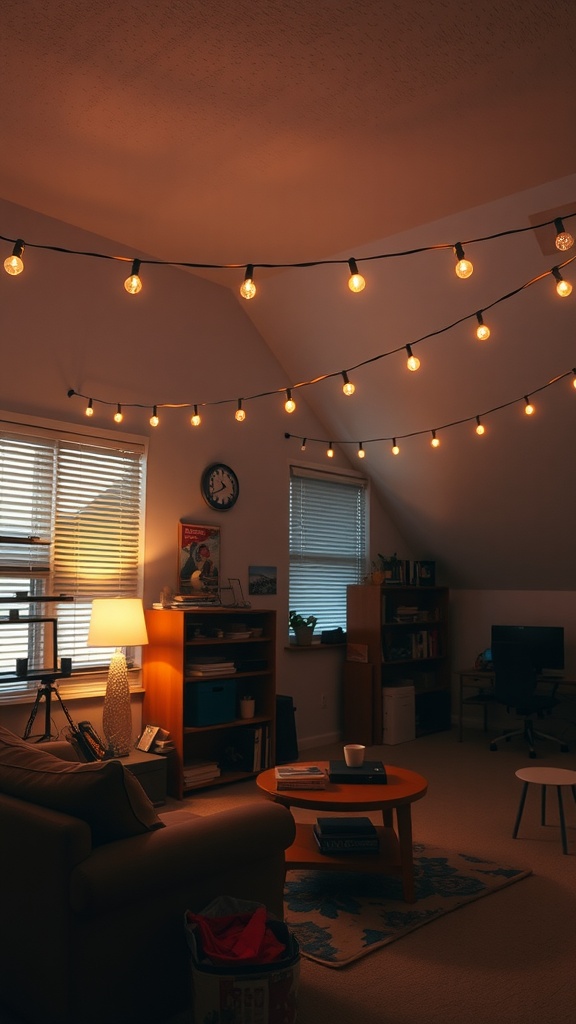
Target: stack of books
{"type": "Point", "coordinates": [199, 773]}
{"type": "Point", "coordinates": [346, 835]}
{"type": "Point", "coordinates": [209, 667]}
{"type": "Point", "coordinates": [298, 776]}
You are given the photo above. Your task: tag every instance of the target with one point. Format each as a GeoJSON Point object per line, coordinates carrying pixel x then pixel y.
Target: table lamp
{"type": "Point", "coordinates": [117, 622]}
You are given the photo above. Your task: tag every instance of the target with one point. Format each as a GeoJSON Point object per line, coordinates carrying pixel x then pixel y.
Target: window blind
{"type": "Point", "coordinates": [327, 542]}
{"type": "Point", "coordinates": [83, 499]}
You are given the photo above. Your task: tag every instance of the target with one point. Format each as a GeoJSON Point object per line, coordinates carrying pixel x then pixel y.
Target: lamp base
{"type": "Point", "coordinates": [117, 714]}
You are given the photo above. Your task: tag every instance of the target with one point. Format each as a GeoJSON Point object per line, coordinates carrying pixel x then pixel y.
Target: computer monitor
{"type": "Point", "coordinates": [544, 644]}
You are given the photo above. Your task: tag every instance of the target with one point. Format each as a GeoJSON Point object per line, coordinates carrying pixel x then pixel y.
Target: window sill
{"type": "Point", "coordinates": [83, 686]}
{"type": "Point", "coordinates": [316, 645]}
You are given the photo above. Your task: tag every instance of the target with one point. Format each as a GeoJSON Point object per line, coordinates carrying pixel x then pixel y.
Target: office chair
{"type": "Point", "coordinates": [515, 679]}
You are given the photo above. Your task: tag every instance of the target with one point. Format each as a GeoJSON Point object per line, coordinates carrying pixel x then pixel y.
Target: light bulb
{"type": "Point", "coordinates": [248, 288]}
{"type": "Point", "coordinates": [154, 420]}
{"type": "Point", "coordinates": [563, 287]}
{"type": "Point", "coordinates": [348, 387]}
{"type": "Point", "coordinates": [564, 239]}
{"type": "Point", "coordinates": [118, 417]}
{"type": "Point", "coordinates": [89, 408]}
{"type": "Point", "coordinates": [289, 404]}
{"type": "Point", "coordinates": [413, 363]}
{"type": "Point", "coordinates": [133, 284]}
{"type": "Point", "coordinates": [304, 439]}
{"type": "Point", "coordinates": [330, 451]}
{"type": "Point", "coordinates": [195, 418]}
{"type": "Point", "coordinates": [482, 331]}
{"type": "Point", "coordinates": [463, 267]}
{"type": "Point", "coordinates": [13, 264]}
{"type": "Point", "coordinates": [479, 427]}
{"type": "Point", "coordinates": [361, 452]}
{"type": "Point", "coordinates": [356, 282]}
{"type": "Point", "coordinates": [395, 448]}
{"type": "Point", "coordinates": [528, 408]}
{"type": "Point", "coordinates": [434, 442]}
{"type": "Point", "coordinates": [240, 415]}
{"type": "Point", "coordinates": [574, 380]}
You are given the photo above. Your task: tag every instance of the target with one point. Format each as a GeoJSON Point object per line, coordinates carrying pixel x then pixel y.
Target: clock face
{"type": "Point", "coordinates": [220, 487]}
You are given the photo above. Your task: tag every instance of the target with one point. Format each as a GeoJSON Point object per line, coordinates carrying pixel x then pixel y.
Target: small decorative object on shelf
{"type": "Point", "coordinates": [303, 628]}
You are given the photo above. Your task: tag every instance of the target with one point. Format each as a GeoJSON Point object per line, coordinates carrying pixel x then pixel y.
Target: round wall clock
{"type": "Point", "coordinates": [220, 487]}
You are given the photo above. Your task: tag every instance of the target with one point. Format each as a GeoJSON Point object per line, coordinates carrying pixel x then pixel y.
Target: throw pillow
{"type": "Point", "coordinates": [103, 793]}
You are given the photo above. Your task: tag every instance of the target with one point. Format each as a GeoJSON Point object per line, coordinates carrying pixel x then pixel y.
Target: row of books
{"type": "Point", "coordinates": [422, 643]}
{"type": "Point", "coordinates": [346, 835]}
{"type": "Point", "coordinates": [250, 749]}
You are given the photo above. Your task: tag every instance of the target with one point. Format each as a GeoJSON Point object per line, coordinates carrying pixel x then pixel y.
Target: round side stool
{"type": "Point", "coordinates": [546, 777]}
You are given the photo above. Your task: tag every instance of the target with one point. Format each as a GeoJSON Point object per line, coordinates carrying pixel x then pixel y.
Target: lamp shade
{"type": "Point", "coordinates": [117, 622]}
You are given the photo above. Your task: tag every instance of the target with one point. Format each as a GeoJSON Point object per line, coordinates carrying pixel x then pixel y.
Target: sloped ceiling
{"type": "Point", "coordinates": [284, 131]}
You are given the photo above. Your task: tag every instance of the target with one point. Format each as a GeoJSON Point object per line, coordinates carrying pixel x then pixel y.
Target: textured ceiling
{"type": "Point", "coordinates": [283, 131]}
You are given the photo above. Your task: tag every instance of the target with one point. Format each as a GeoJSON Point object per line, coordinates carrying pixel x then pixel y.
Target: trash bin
{"type": "Point", "coordinates": [245, 965]}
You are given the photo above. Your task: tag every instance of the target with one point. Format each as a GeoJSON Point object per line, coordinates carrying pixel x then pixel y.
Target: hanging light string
{"type": "Point", "coordinates": [563, 240]}
{"type": "Point", "coordinates": [348, 385]}
{"type": "Point", "coordinates": [476, 418]}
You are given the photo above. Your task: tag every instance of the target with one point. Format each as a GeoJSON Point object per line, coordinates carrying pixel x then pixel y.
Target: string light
{"type": "Point", "coordinates": [330, 452]}
{"type": "Point", "coordinates": [13, 264]}
{"type": "Point", "coordinates": [248, 288]}
{"type": "Point", "coordinates": [564, 239]}
{"type": "Point", "coordinates": [574, 380]}
{"type": "Point", "coordinates": [482, 331]}
{"type": "Point", "coordinates": [413, 363]}
{"type": "Point", "coordinates": [463, 267]}
{"type": "Point", "coordinates": [528, 408]}
{"type": "Point", "coordinates": [361, 452]}
{"type": "Point", "coordinates": [480, 428]}
{"type": "Point", "coordinates": [154, 421]}
{"type": "Point", "coordinates": [289, 404]}
{"type": "Point", "coordinates": [395, 448]}
{"type": "Point", "coordinates": [303, 445]}
{"type": "Point", "coordinates": [133, 284]}
{"type": "Point", "coordinates": [356, 282]}
{"type": "Point", "coordinates": [240, 415]}
{"type": "Point", "coordinates": [195, 419]}
{"type": "Point", "coordinates": [118, 417]}
{"type": "Point", "coordinates": [348, 387]}
{"type": "Point", "coordinates": [90, 408]}
{"type": "Point", "coordinates": [434, 442]}
{"type": "Point", "coordinates": [563, 287]}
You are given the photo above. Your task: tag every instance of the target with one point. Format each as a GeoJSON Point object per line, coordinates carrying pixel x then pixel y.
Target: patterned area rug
{"type": "Point", "coordinates": [338, 917]}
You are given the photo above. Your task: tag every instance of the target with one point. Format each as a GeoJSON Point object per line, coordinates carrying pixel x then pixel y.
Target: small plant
{"type": "Point", "coordinates": [298, 621]}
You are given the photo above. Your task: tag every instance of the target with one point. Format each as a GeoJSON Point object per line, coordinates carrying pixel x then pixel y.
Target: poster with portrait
{"type": "Point", "coordinates": [198, 560]}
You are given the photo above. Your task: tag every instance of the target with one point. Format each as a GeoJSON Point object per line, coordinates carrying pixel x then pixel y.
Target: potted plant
{"type": "Point", "coordinates": [303, 628]}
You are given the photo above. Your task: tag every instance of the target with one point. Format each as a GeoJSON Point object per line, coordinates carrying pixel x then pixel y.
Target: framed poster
{"type": "Point", "coordinates": [198, 560]}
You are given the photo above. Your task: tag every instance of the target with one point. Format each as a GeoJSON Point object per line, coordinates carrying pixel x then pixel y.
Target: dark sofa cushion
{"type": "Point", "coordinates": [102, 793]}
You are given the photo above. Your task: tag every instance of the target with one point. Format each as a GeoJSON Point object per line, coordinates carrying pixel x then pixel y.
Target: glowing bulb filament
{"type": "Point", "coordinates": [348, 388]}
{"type": "Point", "coordinates": [413, 363]}
{"type": "Point", "coordinates": [528, 408]}
{"type": "Point", "coordinates": [240, 415]}
{"type": "Point", "coordinates": [480, 429]}
{"type": "Point", "coordinates": [289, 404]}
{"type": "Point", "coordinates": [463, 267]}
{"type": "Point", "coordinates": [304, 439]}
{"type": "Point", "coordinates": [330, 451]}
{"type": "Point", "coordinates": [133, 284]}
{"type": "Point", "coordinates": [395, 448]}
{"type": "Point", "coordinates": [118, 417]}
{"type": "Point", "coordinates": [13, 265]}
{"type": "Point", "coordinates": [361, 452]}
{"type": "Point", "coordinates": [563, 287]}
{"type": "Point", "coordinates": [564, 239]}
{"type": "Point", "coordinates": [482, 331]}
{"type": "Point", "coordinates": [356, 282]}
{"type": "Point", "coordinates": [434, 442]}
{"type": "Point", "coordinates": [248, 288]}
{"type": "Point", "coordinates": [89, 408]}
{"type": "Point", "coordinates": [195, 418]}
{"type": "Point", "coordinates": [154, 420]}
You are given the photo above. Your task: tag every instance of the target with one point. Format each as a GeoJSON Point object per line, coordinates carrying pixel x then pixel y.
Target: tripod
{"type": "Point", "coordinates": [46, 689]}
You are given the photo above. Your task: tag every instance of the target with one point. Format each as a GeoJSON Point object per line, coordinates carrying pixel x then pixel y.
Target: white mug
{"type": "Point", "coordinates": [354, 754]}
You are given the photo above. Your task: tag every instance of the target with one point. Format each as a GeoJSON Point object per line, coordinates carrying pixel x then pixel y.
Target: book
{"type": "Point", "coordinates": [346, 844]}
{"type": "Point", "coordinates": [371, 772]}
{"type": "Point", "coordinates": [300, 777]}
{"type": "Point", "coordinates": [345, 826]}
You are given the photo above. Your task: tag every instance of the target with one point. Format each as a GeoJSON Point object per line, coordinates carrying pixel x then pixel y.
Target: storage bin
{"type": "Point", "coordinates": [210, 702]}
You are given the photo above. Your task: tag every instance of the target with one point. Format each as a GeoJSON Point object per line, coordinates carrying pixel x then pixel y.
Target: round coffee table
{"type": "Point", "coordinates": [397, 795]}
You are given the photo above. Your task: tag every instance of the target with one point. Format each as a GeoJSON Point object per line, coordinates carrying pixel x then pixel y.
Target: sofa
{"type": "Point", "coordinates": [94, 886]}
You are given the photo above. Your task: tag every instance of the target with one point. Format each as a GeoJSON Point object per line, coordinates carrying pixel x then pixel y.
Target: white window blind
{"type": "Point", "coordinates": [327, 542]}
{"type": "Point", "coordinates": [82, 498]}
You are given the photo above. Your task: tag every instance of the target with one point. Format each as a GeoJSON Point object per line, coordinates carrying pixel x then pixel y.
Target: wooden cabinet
{"type": "Point", "coordinates": [202, 712]}
{"type": "Point", "coordinates": [396, 634]}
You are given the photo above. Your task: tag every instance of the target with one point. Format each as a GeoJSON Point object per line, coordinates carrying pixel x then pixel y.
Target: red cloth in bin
{"type": "Point", "coordinates": [237, 938]}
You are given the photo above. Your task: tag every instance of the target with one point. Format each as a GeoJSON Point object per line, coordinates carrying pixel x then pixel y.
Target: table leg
{"type": "Point", "coordinates": [404, 819]}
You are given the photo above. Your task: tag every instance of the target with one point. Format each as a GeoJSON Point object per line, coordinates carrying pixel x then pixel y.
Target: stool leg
{"type": "Point", "coordinates": [543, 807]}
{"type": "Point", "coordinates": [520, 809]}
{"type": "Point", "coordinates": [562, 822]}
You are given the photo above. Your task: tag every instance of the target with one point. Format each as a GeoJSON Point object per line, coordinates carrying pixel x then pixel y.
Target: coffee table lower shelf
{"type": "Point", "coordinates": [304, 853]}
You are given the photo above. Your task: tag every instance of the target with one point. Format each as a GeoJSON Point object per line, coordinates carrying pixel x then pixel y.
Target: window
{"type": "Point", "coordinates": [327, 542]}
{"type": "Point", "coordinates": [80, 496]}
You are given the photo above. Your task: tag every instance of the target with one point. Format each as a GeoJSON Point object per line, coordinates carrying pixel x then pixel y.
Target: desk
{"type": "Point", "coordinates": [482, 681]}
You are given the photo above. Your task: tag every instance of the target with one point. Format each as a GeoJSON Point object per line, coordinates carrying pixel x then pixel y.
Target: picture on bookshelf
{"type": "Point", "coordinates": [424, 573]}
{"type": "Point", "coordinates": [198, 559]}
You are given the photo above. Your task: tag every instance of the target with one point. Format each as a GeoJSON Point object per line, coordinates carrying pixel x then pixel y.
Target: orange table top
{"type": "Point", "coordinates": [402, 787]}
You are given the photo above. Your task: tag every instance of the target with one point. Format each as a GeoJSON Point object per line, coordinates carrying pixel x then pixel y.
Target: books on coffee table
{"type": "Point", "coordinates": [346, 835]}
{"type": "Point", "coordinates": [297, 776]}
{"type": "Point", "coordinates": [366, 773]}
